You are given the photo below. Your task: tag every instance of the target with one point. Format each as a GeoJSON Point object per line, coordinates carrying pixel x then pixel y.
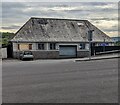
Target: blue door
{"type": "Point", "coordinates": [68, 51]}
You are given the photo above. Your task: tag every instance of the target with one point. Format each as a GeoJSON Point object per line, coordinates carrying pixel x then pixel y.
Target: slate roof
{"type": "Point", "coordinates": [58, 30]}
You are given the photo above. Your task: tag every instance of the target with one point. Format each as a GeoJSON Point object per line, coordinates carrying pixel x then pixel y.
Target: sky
{"type": "Point", "coordinates": [104, 15]}
{"type": "Point", "coordinates": [60, 0]}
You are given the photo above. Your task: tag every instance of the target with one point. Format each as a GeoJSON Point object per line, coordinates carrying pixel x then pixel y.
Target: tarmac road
{"type": "Point", "coordinates": [59, 81]}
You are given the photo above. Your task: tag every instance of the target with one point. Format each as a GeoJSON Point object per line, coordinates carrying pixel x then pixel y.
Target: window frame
{"type": "Point", "coordinates": [30, 46]}
{"type": "Point", "coordinates": [18, 46]}
{"type": "Point", "coordinates": [41, 46]}
{"type": "Point", "coordinates": [52, 46]}
{"type": "Point", "coordinates": [82, 46]}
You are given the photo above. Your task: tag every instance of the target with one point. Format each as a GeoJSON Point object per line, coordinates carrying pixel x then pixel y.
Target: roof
{"type": "Point", "coordinates": [58, 30]}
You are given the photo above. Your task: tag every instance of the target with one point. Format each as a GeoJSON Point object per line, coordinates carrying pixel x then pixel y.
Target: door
{"type": "Point", "coordinates": [67, 51]}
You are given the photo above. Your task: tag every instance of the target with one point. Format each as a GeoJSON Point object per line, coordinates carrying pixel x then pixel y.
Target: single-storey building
{"type": "Point", "coordinates": [57, 38]}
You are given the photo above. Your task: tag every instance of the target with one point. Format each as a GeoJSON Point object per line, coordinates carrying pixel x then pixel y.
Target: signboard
{"type": "Point", "coordinates": [103, 44]}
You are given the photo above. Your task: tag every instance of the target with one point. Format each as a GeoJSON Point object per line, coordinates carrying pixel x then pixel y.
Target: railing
{"type": "Point", "coordinates": [108, 52]}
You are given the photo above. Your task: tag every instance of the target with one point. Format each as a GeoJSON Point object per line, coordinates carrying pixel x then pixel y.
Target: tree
{"type": "Point", "coordinates": [5, 37]}
{"type": "Point", "coordinates": [117, 43]}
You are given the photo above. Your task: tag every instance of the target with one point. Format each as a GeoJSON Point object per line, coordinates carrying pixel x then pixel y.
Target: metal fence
{"type": "Point", "coordinates": [96, 50]}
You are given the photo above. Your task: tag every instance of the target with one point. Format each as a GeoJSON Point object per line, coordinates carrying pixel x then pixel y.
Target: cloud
{"type": "Point", "coordinates": [104, 18]}
{"type": "Point", "coordinates": [103, 14]}
{"type": "Point", "coordinates": [110, 27]}
{"type": "Point", "coordinates": [10, 27]}
{"type": "Point", "coordinates": [59, 0]}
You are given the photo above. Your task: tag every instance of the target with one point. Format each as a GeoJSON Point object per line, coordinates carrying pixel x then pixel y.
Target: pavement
{"type": "Point", "coordinates": [97, 57]}
{"type": "Point", "coordinates": [60, 81]}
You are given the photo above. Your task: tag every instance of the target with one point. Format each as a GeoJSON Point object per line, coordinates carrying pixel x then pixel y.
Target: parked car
{"type": "Point", "coordinates": [26, 55]}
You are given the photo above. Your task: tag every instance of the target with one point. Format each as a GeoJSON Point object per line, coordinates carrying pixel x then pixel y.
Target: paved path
{"type": "Point", "coordinates": [99, 57]}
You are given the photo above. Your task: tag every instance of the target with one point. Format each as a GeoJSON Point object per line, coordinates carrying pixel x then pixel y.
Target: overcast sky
{"type": "Point", "coordinates": [60, 0]}
{"type": "Point", "coordinates": [102, 14]}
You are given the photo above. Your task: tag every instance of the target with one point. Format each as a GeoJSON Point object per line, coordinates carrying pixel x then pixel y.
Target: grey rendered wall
{"type": "Point", "coordinates": [16, 54]}
{"type": "Point", "coordinates": [51, 54]}
{"type": "Point", "coordinates": [40, 54]}
{"type": "Point", "coordinates": [45, 54]}
{"type": "Point", "coordinates": [55, 54]}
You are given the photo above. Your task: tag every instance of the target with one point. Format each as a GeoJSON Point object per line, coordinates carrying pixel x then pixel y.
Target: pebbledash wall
{"type": "Point", "coordinates": [51, 54]}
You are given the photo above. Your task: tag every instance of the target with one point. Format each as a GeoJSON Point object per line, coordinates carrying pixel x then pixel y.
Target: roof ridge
{"type": "Point", "coordinates": [70, 19]}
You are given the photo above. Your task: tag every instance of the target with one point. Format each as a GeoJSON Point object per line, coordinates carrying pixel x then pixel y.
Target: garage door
{"type": "Point", "coordinates": [67, 51]}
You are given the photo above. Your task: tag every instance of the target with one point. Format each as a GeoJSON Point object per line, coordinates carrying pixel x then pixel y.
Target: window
{"type": "Point", "coordinates": [30, 46]}
{"type": "Point", "coordinates": [18, 46]}
{"type": "Point", "coordinates": [82, 45]}
{"type": "Point", "coordinates": [52, 46]}
{"type": "Point", "coordinates": [24, 46]}
{"type": "Point", "coordinates": [41, 46]}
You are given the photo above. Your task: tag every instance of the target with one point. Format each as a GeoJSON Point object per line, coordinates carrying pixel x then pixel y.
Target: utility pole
{"type": "Point", "coordinates": [104, 46]}
{"type": "Point", "coordinates": [89, 50]}
{"type": "Point", "coordinates": [90, 35]}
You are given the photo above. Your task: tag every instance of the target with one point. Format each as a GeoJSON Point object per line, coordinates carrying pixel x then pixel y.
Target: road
{"type": "Point", "coordinates": [60, 81]}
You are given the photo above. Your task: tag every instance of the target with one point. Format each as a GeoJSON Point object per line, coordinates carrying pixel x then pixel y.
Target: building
{"type": "Point", "coordinates": [57, 38]}
{"type": "Point", "coordinates": [116, 39]}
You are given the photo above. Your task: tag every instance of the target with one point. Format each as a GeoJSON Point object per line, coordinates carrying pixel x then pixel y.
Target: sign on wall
{"type": "Point", "coordinates": [103, 44]}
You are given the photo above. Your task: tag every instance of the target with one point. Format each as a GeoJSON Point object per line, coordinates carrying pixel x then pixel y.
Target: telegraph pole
{"type": "Point", "coordinates": [90, 35]}
{"type": "Point", "coordinates": [104, 46]}
{"type": "Point", "coordinates": [89, 50]}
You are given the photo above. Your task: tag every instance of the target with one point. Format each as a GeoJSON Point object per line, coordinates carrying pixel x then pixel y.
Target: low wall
{"type": "Point", "coordinates": [4, 52]}
{"type": "Point", "coordinates": [81, 54]}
